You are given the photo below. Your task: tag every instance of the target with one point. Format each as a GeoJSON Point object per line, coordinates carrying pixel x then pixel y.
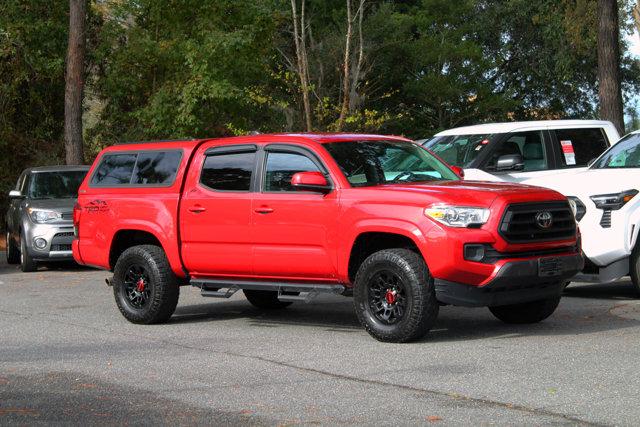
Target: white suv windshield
{"type": "Point", "coordinates": [625, 154]}
{"type": "Point", "coordinates": [458, 150]}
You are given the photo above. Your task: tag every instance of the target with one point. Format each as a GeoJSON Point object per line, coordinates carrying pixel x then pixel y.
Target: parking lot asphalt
{"type": "Point", "coordinates": [67, 356]}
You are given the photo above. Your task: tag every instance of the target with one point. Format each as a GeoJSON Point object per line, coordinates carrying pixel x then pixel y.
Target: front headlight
{"type": "Point", "coordinates": [458, 216]}
{"type": "Point", "coordinates": [613, 201]}
{"type": "Point", "coordinates": [41, 216]}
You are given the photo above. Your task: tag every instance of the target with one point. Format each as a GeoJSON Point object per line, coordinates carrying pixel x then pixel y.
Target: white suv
{"type": "Point", "coordinates": [519, 151]}
{"type": "Point", "coordinates": [608, 211]}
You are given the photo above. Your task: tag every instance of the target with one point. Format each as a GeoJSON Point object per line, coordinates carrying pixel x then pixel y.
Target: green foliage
{"type": "Point", "coordinates": [192, 68]}
{"type": "Point", "coordinates": [179, 69]}
{"type": "Point", "coordinates": [32, 55]}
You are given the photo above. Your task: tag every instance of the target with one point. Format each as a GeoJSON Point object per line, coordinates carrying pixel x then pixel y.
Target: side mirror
{"type": "Point", "coordinates": [15, 194]}
{"type": "Point", "coordinates": [458, 171]}
{"type": "Point", "coordinates": [310, 181]}
{"type": "Point", "coordinates": [510, 162]}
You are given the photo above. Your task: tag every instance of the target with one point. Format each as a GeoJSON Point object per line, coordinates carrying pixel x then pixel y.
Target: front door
{"type": "Point", "coordinates": [294, 231]}
{"type": "Point", "coordinates": [215, 212]}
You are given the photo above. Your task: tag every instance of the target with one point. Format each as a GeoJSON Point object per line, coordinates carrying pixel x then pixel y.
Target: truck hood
{"type": "Point", "coordinates": [57, 205]}
{"type": "Point", "coordinates": [591, 182]}
{"type": "Point", "coordinates": [472, 193]}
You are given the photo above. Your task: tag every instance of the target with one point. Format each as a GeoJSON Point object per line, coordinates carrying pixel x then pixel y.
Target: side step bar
{"type": "Point", "coordinates": [287, 291]}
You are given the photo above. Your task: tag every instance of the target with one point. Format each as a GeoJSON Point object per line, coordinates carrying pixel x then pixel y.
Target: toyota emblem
{"type": "Point", "coordinates": [544, 220]}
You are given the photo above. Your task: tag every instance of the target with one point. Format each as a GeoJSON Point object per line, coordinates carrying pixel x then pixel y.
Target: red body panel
{"type": "Point", "coordinates": [296, 236]}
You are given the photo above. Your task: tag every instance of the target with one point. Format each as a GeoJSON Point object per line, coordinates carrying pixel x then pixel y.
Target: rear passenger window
{"type": "Point", "coordinates": [156, 167]}
{"type": "Point", "coordinates": [282, 166]}
{"type": "Point", "coordinates": [228, 172]}
{"type": "Point", "coordinates": [115, 169]}
{"type": "Point", "coordinates": [578, 146]}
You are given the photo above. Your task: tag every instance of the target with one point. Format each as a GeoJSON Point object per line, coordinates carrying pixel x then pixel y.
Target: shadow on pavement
{"type": "Point", "coordinates": [68, 398]}
{"type": "Point", "coordinates": [621, 290]}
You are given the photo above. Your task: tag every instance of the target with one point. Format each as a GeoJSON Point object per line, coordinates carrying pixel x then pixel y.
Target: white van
{"type": "Point", "coordinates": [519, 151]}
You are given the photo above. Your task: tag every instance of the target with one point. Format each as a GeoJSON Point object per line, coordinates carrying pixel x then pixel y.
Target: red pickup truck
{"type": "Point", "coordinates": [286, 217]}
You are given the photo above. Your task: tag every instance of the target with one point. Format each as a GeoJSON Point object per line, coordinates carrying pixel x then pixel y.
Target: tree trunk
{"type": "Point", "coordinates": [299, 35]}
{"type": "Point", "coordinates": [74, 83]}
{"type": "Point", "coordinates": [609, 91]}
{"type": "Point", "coordinates": [346, 79]}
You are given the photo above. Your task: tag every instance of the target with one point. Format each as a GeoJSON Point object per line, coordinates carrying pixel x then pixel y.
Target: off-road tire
{"type": "Point", "coordinates": [528, 312]}
{"type": "Point", "coordinates": [634, 269]}
{"type": "Point", "coordinates": [164, 293]}
{"type": "Point", "coordinates": [265, 299]}
{"type": "Point", "coordinates": [13, 254]}
{"type": "Point", "coordinates": [27, 263]}
{"type": "Point", "coordinates": [420, 304]}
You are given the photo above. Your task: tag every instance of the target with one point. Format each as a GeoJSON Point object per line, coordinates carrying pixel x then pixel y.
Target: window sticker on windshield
{"type": "Point", "coordinates": [569, 154]}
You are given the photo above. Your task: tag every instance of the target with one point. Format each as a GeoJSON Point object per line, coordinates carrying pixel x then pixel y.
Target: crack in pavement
{"type": "Point", "coordinates": [437, 393]}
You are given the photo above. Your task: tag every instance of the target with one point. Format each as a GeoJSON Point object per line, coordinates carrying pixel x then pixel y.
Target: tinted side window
{"type": "Point", "coordinates": [228, 172]}
{"type": "Point", "coordinates": [114, 169]}
{"type": "Point", "coordinates": [156, 167]}
{"type": "Point", "coordinates": [282, 166]}
{"type": "Point", "coordinates": [578, 146]}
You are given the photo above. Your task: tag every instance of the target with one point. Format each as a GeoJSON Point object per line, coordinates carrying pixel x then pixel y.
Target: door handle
{"type": "Point", "coordinates": [264, 210]}
{"type": "Point", "coordinates": [197, 209]}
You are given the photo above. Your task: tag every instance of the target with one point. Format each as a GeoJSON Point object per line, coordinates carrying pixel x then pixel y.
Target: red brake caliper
{"type": "Point", "coordinates": [140, 285]}
{"type": "Point", "coordinates": [390, 296]}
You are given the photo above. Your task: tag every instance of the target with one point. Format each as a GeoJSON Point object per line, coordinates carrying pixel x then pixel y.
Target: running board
{"type": "Point", "coordinates": [286, 290]}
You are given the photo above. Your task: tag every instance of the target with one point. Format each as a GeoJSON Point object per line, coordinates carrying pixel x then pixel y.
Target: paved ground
{"type": "Point", "coordinates": [67, 356]}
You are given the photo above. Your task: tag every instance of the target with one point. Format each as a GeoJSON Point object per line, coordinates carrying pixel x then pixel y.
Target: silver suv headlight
{"type": "Point", "coordinates": [43, 216]}
{"type": "Point", "coordinates": [458, 216]}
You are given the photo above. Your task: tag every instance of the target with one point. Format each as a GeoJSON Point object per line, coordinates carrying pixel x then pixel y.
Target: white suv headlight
{"type": "Point", "coordinates": [42, 216]}
{"type": "Point", "coordinates": [458, 216]}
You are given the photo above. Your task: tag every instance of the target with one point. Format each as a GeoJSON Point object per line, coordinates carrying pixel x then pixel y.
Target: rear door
{"type": "Point", "coordinates": [576, 147]}
{"type": "Point", "coordinates": [215, 211]}
{"type": "Point", "coordinates": [294, 231]}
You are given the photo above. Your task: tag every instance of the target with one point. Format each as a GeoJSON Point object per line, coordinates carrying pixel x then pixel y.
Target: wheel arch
{"type": "Point", "coordinates": [373, 239]}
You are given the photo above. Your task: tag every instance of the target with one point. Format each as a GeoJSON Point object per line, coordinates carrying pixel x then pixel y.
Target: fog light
{"type": "Point", "coordinates": [40, 243]}
{"type": "Point", "coordinates": [474, 252]}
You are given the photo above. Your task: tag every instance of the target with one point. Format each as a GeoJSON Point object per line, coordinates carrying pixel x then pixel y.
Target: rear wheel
{"type": "Point", "coordinates": [13, 255]}
{"type": "Point", "coordinates": [265, 299]}
{"type": "Point", "coordinates": [144, 286]}
{"type": "Point", "coordinates": [394, 296]}
{"type": "Point", "coordinates": [528, 312]}
{"type": "Point", "coordinates": [27, 263]}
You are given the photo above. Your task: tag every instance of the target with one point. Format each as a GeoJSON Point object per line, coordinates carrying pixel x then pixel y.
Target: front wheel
{"type": "Point", "coordinates": [394, 296]}
{"type": "Point", "coordinates": [634, 268]}
{"type": "Point", "coordinates": [528, 312]}
{"type": "Point", "coordinates": [27, 263]}
{"type": "Point", "coordinates": [13, 255]}
{"type": "Point", "coordinates": [144, 286]}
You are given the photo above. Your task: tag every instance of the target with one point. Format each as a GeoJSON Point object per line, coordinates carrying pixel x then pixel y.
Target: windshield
{"type": "Point", "coordinates": [368, 163]}
{"type": "Point", "coordinates": [458, 150]}
{"type": "Point", "coordinates": [624, 154]}
{"type": "Point", "coordinates": [55, 185]}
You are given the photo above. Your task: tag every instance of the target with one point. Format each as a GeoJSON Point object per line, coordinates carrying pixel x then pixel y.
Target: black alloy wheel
{"type": "Point", "coordinates": [387, 297]}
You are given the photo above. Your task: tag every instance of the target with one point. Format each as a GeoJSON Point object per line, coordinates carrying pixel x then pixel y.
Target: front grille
{"type": "Point", "coordinates": [60, 247]}
{"type": "Point", "coordinates": [519, 223]}
{"type": "Point", "coordinates": [65, 234]}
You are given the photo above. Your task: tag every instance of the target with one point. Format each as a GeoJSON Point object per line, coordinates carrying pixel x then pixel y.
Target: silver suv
{"type": "Point", "coordinates": [39, 222]}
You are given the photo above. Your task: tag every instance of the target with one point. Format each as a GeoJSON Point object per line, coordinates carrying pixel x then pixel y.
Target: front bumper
{"type": "Point", "coordinates": [517, 281]}
{"type": "Point", "coordinates": [58, 238]}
